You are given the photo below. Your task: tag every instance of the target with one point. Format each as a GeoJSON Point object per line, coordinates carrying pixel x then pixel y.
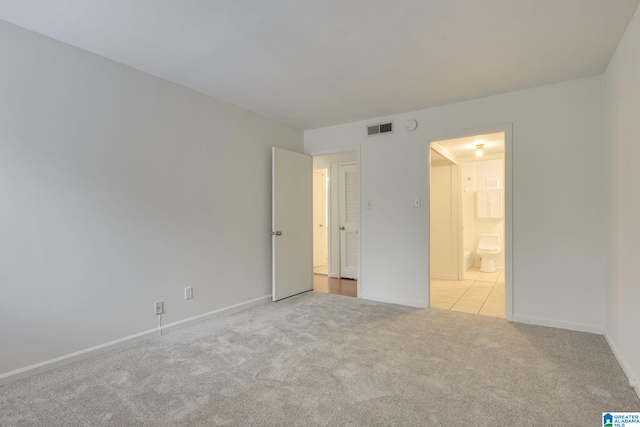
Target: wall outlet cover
{"type": "Point", "coordinates": [159, 307]}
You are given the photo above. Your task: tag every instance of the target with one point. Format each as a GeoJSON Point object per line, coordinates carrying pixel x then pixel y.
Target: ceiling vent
{"type": "Point", "coordinates": [380, 128]}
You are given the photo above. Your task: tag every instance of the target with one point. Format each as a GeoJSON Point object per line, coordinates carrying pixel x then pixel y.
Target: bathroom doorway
{"type": "Point", "coordinates": [335, 223]}
{"type": "Point", "coordinates": [468, 241]}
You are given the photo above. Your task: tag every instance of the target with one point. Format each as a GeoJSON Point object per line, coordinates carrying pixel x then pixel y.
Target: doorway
{"type": "Point", "coordinates": [335, 223]}
{"type": "Point", "coordinates": [469, 242]}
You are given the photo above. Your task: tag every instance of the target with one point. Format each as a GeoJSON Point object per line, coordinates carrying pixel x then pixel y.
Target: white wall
{"type": "Point", "coordinates": [342, 157]}
{"type": "Point", "coordinates": [444, 257]}
{"type": "Point", "coordinates": [622, 106]}
{"type": "Point", "coordinates": [469, 242]}
{"type": "Point", "coordinates": [474, 178]}
{"type": "Point", "coordinates": [558, 267]}
{"type": "Point", "coordinates": [118, 189]}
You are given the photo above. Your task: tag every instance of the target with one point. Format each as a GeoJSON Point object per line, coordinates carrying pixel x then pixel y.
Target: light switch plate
{"type": "Point", "coordinates": [417, 203]}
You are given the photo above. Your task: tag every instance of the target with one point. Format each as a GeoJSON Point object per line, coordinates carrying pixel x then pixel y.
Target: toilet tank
{"type": "Point", "coordinates": [489, 242]}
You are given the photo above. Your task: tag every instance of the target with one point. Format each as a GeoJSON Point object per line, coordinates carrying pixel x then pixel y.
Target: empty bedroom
{"type": "Point", "coordinates": [157, 223]}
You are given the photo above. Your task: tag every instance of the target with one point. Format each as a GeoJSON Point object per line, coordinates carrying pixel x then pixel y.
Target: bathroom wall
{"type": "Point", "coordinates": [467, 182]}
{"type": "Point", "coordinates": [474, 178]}
{"type": "Point", "coordinates": [445, 247]}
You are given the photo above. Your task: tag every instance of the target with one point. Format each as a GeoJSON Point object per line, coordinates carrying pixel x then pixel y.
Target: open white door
{"type": "Point", "coordinates": [348, 193]}
{"type": "Point", "coordinates": [292, 239]}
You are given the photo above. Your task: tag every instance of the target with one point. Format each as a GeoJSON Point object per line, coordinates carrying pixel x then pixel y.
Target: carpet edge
{"type": "Point", "coordinates": [86, 353]}
{"type": "Point", "coordinates": [623, 363]}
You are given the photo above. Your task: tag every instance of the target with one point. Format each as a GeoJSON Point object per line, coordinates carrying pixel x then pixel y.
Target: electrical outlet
{"type": "Point", "coordinates": [159, 306]}
{"type": "Point", "coordinates": [188, 292]}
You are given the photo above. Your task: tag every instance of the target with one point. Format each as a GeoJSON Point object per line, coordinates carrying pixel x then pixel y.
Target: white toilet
{"type": "Point", "coordinates": [488, 248]}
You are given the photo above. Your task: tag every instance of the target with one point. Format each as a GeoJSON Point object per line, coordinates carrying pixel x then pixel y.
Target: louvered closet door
{"type": "Point", "coordinates": [348, 199]}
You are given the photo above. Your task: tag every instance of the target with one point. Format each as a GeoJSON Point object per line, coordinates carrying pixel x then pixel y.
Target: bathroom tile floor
{"type": "Point", "coordinates": [479, 293]}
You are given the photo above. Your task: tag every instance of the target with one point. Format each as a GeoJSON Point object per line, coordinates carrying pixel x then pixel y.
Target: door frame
{"type": "Point", "coordinates": [507, 128]}
{"type": "Point", "coordinates": [356, 149]}
{"type": "Point", "coordinates": [327, 219]}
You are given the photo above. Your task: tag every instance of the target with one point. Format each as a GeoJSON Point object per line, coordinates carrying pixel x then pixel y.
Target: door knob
{"type": "Point", "coordinates": [277, 233]}
{"type": "Point", "coordinates": [342, 228]}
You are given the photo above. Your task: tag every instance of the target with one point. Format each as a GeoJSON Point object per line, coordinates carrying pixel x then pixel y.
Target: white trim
{"type": "Point", "coordinates": [333, 223]}
{"type": "Point", "coordinates": [347, 149]}
{"type": "Point", "coordinates": [216, 313]}
{"type": "Point", "coordinates": [379, 298]}
{"type": "Point", "coordinates": [326, 167]}
{"type": "Point", "coordinates": [359, 287]}
{"type": "Point", "coordinates": [444, 277]}
{"type": "Point", "coordinates": [571, 326]}
{"type": "Point", "coordinates": [626, 368]}
{"type": "Point", "coordinates": [508, 220]}
{"type": "Point", "coordinates": [480, 263]}
{"type": "Point", "coordinates": [67, 359]}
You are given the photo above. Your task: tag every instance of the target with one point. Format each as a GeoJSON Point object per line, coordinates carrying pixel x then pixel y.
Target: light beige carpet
{"type": "Point", "coordinates": [319, 359]}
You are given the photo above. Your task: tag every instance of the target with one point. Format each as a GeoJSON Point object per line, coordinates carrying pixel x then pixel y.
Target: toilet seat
{"type": "Point", "coordinates": [488, 248]}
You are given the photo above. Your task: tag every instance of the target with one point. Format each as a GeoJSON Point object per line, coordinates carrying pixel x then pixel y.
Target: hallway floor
{"type": "Point", "coordinates": [321, 269]}
{"type": "Point", "coordinates": [479, 293]}
{"type": "Point", "coordinates": [330, 285]}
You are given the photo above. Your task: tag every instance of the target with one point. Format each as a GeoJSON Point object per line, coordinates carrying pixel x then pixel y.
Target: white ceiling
{"type": "Point", "coordinates": [493, 143]}
{"type": "Point", "coordinates": [317, 63]}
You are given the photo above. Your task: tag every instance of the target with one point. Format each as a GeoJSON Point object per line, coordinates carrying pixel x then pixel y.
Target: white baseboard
{"type": "Point", "coordinates": [633, 377]}
{"type": "Point", "coordinates": [216, 313]}
{"type": "Point", "coordinates": [496, 265]}
{"type": "Point", "coordinates": [579, 327]}
{"type": "Point", "coordinates": [443, 277]}
{"type": "Point", "coordinates": [399, 301]}
{"type": "Point", "coordinates": [67, 359]}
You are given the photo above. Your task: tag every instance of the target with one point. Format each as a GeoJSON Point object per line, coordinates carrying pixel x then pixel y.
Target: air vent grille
{"type": "Point", "coordinates": [379, 128]}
